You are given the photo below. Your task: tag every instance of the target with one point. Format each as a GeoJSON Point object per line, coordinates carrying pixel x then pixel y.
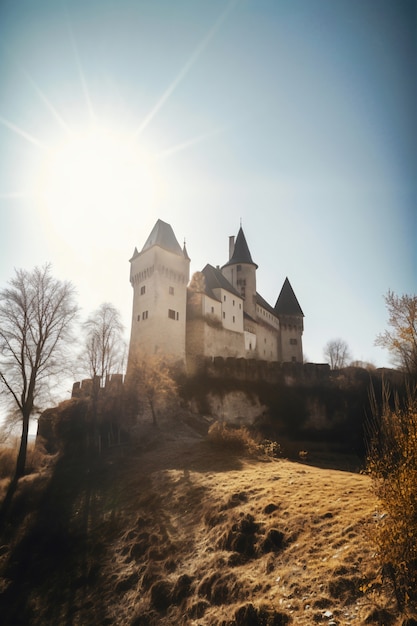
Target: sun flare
{"type": "Point", "coordinates": [94, 178]}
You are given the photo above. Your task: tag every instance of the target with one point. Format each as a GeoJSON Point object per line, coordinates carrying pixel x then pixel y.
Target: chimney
{"type": "Point", "coordinates": [231, 246]}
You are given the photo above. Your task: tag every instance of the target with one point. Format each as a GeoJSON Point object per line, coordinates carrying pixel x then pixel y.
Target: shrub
{"type": "Point", "coordinates": [8, 456]}
{"type": "Point", "coordinates": [238, 440]}
{"type": "Point", "coordinates": [392, 463]}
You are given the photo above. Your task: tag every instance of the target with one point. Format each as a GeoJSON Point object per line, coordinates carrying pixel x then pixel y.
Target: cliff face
{"type": "Point", "coordinates": [300, 402]}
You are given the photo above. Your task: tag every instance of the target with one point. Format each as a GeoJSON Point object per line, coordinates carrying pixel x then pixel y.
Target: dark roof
{"type": "Point", "coordinates": [216, 280]}
{"type": "Point", "coordinates": [163, 236]}
{"type": "Point", "coordinates": [264, 304]}
{"type": "Point", "coordinates": [287, 303]}
{"type": "Point", "coordinates": [241, 252]}
{"type": "Point", "coordinates": [185, 253]}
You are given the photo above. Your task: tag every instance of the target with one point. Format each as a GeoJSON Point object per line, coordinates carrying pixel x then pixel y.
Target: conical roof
{"type": "Point", "coordinates": [241, 252]}
{"type": "Point", "coordinates": [287, 303]}
{"type": "Point", "coordinates": [162, 235]}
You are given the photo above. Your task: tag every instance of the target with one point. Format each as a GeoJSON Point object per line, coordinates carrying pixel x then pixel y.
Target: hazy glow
{"type": "Point", "coordinates": [89, 180]}
{"type": "Point", "coordinates": [297, 115]}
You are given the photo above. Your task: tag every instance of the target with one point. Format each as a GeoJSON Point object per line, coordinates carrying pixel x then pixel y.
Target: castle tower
{"type": "Point", "coordinates": [159, 275]}
{"type": "Point", "coordinates": [291, 323]}
{"type": "Point", "coordinates": [240, 271]}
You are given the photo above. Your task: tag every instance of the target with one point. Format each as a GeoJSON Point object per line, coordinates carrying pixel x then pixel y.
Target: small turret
{"type": "Point", "coordinates": [240, 271]}
{"type": "Point", "coordinates": [291, 323]}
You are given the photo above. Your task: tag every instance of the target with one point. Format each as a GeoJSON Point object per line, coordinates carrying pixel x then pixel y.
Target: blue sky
{"type": "Point", "coordinates": [297, 117]}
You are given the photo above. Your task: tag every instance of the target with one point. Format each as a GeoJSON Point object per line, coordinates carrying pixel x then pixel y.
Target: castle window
{"type": "Point", "coordinates": [139, 317]}
{"type": "Point", "coordinates": [293, 342]}
{"type": "Point", "coordinates": [234, 319]}
{"type": "Point", "coordinates": [238, 268]}
{"type": "Point", "coordinates": [224, 298]}
{"type": "Point", "coordinates": [233, 303]}
{"type": "Point", "coordinates": [294, 359]}
{"type": "Point", "coordinates": [224, 315]}
{"type": "Point", "coordinates": [178, 315]}
{"type": "Point", "coordinates": [171, 291]}
{"type": "Point", "coordinates": [240, 305]}
{"type": "Point", "coordinates": [145, 315]}
{"type": "Point", "coordinates": [171, 314]}
{"type": "Point", "coordinates": [212, 309]}
{"type": "Point", "coordinates": [142, 290]}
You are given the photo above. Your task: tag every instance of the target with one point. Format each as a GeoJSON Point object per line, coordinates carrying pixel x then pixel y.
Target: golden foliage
{"type": "Point", "coordinates": [392, 463]}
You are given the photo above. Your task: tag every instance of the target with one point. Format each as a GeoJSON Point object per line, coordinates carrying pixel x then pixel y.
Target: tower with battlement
{"type": "Point", "coordinates": [159, 275]}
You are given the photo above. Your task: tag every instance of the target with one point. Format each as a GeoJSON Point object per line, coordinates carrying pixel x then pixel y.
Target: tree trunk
{"type": "Point", "coordinates": [21, 458]}
{"type": "Point", "coordinates": [153, 413]}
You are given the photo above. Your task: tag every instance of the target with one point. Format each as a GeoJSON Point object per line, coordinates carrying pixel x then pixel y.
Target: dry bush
{"type": "Point", "coordinates": [37, 458]}
{"type": "Point", "coordinates": [238, 440]}
{"type": "Point", "coordinates": [8, 456]}
{"type": "Point", "coordinates": [392, 463]}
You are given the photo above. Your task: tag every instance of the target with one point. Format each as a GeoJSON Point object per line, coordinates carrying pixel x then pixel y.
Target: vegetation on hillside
{"type": "Point", "coordinates": [392, 464]}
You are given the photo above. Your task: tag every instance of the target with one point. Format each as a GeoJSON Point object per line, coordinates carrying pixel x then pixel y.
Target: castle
{"type": "Point", "coordinates": [218, 314]}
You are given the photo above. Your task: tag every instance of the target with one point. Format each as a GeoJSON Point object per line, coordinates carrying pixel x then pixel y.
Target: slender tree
{"type": "Point", "coordinates": [401, 339]}
{"type": "Point", "coordinates": [336, 352]}
{"type": "Point", "coordinates": [105, 347]}
{"type": "Point", "coordinates": [151, 381]}
{"type": "Point", "coordinates": [36, 314]}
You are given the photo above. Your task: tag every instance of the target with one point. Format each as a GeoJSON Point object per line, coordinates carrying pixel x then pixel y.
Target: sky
{"type": "Point", "coordinates": [296, 118]}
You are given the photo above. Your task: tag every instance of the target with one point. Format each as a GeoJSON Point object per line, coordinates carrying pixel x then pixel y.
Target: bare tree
{"type": "Point", "coordinates": [151, 380]}
{"type": "Point", "coordinates": [337, 354]}
{"type": "Point", "coordinates": [401, 339]}
{"type": "Point", "coordinates": [105, 348]}
{"type": "Point", "coordinates": [36, 314]}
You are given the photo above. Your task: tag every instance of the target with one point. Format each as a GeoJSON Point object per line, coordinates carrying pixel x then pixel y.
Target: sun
{"type": "Point", "coordinates": [91, 180]}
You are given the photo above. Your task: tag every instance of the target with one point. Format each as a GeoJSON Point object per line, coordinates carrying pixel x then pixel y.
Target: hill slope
{"type": "Point", "coordinates": [181, 533]}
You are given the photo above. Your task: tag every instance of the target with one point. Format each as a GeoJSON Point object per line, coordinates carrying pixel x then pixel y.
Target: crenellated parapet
{"type": "Point", "coordinates": [86, 387]}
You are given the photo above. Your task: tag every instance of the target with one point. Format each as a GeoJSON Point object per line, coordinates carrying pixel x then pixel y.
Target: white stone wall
{"type": "Point", "coordinates": [231, 310]}
{"type": "Point", "coordinates": [267, 343]}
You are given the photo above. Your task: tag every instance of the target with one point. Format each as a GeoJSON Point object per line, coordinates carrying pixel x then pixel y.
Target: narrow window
{"type": "Point", "coordinates": [240, 305]}
{"type": "Point", "coordinates": [171, 314]}
{"type": "Point", "coordinates": [142, 290]}
{"type": "Point", "coordinates": [233, 303]}
{"type": "Point", "coordinates": [212, 309]}
{"type": "Point", "coordinates": [238, 268]}
{"type": "Point", "coordinates": [178, 315]}
{"type": "Point", "coordinates": [139, 317]}
{"type": "Point", "coordinates": [233, 319]}
{"type": "Point", "coordinates": [224, 315]}
{"type": "Point", "coordinates": [224, 298]}
{"type": "Point", "coordinates": [171, 291]}
{"type": "Point", "coordinates": [293, 342]}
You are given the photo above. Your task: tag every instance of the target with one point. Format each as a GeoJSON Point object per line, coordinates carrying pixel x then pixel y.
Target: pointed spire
{"type": "Point", "coordinates": [287, 303]}
{"type": "Point", "coordinates": [241, 252]}
{"type": "Point", "coordinates": [135, 254]}
{"type": "Point", "coordinates": [185, 253]}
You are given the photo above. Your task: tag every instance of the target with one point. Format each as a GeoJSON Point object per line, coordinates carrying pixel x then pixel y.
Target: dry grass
{"type": "Point", "coordinates": [36, 458]}
{"type": "Point", "coordinates": [187, 534]}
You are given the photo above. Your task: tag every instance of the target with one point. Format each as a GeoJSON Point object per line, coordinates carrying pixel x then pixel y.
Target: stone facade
{"type": "Point", "coordinates": [218, 314]}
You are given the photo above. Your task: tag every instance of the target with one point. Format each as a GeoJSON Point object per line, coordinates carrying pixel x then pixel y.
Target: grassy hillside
{"type": "Point", "coordinates": [178, 532]}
